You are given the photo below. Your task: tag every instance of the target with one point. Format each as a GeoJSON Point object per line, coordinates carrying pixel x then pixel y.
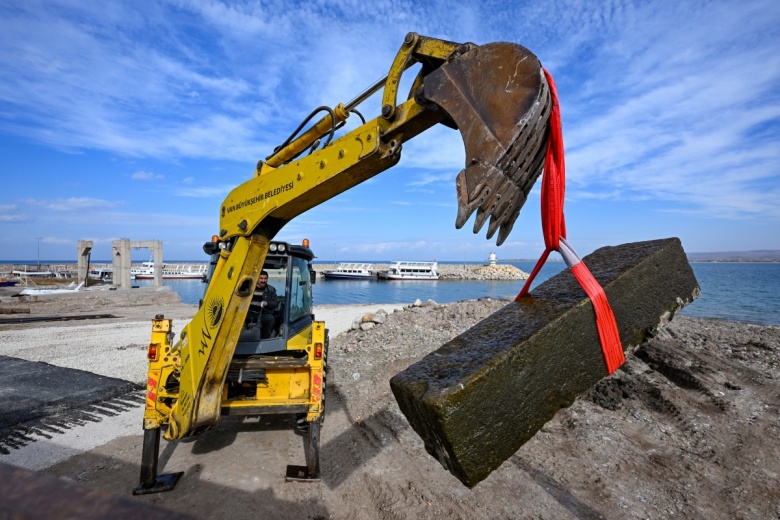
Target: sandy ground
{"type": "Point", "coordinates": [688, 428]}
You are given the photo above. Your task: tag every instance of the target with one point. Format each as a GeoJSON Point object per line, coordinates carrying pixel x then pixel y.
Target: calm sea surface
{"type": "Point", "coordinates": [734, 291]}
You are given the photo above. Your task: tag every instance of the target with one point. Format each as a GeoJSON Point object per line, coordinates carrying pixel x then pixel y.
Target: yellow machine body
{"type": "Point", "coordinates": [495, 95]}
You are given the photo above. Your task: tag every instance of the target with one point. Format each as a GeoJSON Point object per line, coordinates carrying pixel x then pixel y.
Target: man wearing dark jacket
{"type": "Point", "coordinates": [264, 302]}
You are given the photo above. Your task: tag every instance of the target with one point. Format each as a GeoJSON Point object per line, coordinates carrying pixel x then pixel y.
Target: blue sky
{"type": "Point", "coordinates": [135, 119]}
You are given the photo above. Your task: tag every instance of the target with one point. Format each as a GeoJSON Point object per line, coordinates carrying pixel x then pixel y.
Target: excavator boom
{"type": "Point", "coordinates": [495, 95]}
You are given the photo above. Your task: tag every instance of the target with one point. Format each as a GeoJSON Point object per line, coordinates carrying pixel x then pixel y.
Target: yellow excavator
{"type": "Point", "coordinates": [496, 95]}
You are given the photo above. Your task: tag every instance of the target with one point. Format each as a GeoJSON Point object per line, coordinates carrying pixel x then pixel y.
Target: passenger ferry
{"type": "Point", "coordinates": [180, 272]}
{"type": "Point", "coordinates": [351, 272]}
{"type": "Point", "coordinates": [403, 270]}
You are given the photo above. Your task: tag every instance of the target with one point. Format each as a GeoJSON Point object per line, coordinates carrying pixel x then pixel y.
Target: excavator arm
{"type": "Point", "coordinates": [496, 95]}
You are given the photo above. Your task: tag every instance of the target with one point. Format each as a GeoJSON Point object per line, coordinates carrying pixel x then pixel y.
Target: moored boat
{"type": "Point", "coordinates": [403, 270]}
{"type": "Point", "coordinates": [32, 274]}
{"type": "Point", "coordinates": [102, 272]}
{"type": "Point", "coordinates": [181, 272]}
{"type": "Point", "coordinates": [72, 288]}
{"type": "Point", "coordinates": [351, 271]}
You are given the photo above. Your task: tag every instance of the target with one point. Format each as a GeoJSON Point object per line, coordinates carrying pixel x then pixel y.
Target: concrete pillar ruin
{"type": "Point", "coordinates": [85, 248]}
{"type": "Point", "coordinates": [122, 261]}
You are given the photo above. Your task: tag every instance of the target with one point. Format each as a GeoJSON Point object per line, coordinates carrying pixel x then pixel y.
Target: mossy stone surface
{"type": "Point", "coordinates": [481, 396]}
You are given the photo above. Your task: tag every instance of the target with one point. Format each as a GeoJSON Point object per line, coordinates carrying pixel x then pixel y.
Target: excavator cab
{"type": "Point", "coordinates": [291, 275]}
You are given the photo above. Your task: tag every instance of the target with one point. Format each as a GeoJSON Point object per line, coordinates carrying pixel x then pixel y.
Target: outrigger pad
{"type": "Point", "coordinates": [161, 484]}
{"type": "Point", "coordinates": [484, 394]}
{"type": "Point", "coordinates": [300, 474]}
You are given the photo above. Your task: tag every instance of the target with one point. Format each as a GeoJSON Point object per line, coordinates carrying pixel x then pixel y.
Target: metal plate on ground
{"type": "Point", "coordinates": [299, 474]}
{"type": "Point", "coordinates": [37, 392]}
{"type": "Point", "coordinates": [33, 319]}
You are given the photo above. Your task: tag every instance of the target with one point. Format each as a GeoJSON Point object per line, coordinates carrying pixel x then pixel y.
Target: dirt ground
{"type": "Point", "coordinates": [688, 428]}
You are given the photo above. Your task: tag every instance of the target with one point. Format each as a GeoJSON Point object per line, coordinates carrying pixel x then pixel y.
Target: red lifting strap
{"type": "Point", "coordinates": [554, 230]}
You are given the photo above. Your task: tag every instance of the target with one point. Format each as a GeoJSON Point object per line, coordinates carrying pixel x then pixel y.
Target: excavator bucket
{"type": "Point", "coordinates": [498, 97]}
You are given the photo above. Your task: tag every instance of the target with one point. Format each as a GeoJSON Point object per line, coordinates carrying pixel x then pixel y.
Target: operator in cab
{"type": "Point", "coordinates": [263, 305]}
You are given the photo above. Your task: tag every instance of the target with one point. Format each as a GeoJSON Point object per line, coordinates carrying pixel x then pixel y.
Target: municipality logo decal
{"type": "Point", "coordinates": [215, 309]}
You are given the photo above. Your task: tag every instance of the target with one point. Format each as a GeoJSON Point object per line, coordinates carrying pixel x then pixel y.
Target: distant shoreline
{"type": "Point", "coordinates": [732, 261]}
{"type": "Point", "coordinates": [48, 263]}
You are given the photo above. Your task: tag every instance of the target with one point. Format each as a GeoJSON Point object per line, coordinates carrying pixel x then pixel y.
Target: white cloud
{"type": "Point", "coordinates": [385, 247]}
{"type": "Point", "coordinates": [56, 240]}
{"type": "Point", "coordinates": [13, 218]}
{"type": "Point", "coordinates": [683, 115]}
{"type": "Point", "coordinates": [427, 178]}
{"type": "Point", "coordinates": [73, 204]}
{"type": "Point", "coordinates": [670, 104]}
{"type": "Point", "coordinates": [204, 191]}
{"type": "Point", "coordinates": [146, 176]}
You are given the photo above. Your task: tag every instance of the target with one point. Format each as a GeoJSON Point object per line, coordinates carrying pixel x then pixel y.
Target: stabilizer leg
{"type": "Point", "coordinates": [311, 471]}
{"type": "Point", "coordinates": [151, 482]}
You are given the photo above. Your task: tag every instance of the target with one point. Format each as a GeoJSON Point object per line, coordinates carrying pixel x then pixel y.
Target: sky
{"type": "Point", "coordinates": [134, 120]}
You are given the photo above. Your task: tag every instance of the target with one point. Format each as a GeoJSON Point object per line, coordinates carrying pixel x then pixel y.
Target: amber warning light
{"type": "Point", "coordinates": [305, 242]}
{"type": "Point", "coordinates": [152, 352]}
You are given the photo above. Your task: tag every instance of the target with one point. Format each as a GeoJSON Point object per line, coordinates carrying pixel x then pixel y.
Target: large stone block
{"type": "Point", "coordinates": [481, 396]}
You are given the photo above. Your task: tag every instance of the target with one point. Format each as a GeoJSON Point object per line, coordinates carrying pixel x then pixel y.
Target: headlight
{"type": "Point", "coordinates": [272, 248]}
{"type": "Point", "coordinates": [281, 248]}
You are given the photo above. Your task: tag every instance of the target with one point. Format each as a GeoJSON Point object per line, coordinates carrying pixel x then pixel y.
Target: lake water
{"type": "Point", "coordinates": [732, 291]}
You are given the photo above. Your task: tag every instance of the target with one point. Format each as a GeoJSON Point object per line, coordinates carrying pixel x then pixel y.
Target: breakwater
{"type": "Point", "coordinates": [464, 271]}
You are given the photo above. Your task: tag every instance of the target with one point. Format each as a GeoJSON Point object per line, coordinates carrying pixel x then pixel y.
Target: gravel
{"type": "Point", "coordinates": [687, 428]}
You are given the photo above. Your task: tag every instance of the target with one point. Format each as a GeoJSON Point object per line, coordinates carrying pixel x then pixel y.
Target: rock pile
{"type": "Point", "coordinates": [481, 272]}
{"type": "Point", "coordinates": [371, 319]}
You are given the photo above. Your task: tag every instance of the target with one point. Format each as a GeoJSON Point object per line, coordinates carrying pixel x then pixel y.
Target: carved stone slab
{"type": "Point", "coordinates": [481, 396]}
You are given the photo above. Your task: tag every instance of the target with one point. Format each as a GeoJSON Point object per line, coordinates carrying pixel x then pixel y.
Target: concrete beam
{"type": "Point", "coordinates": [481, 396]}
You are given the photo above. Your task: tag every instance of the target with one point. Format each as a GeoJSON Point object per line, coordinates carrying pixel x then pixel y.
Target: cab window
{"type": "Point", "coordinates": [300, 290]}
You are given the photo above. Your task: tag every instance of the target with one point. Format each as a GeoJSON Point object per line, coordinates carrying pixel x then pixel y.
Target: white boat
{"type": "Point", "coordinates": [403, 270]}
{"type": "Point", "coordinates": [351, 272]}
{"type": "Point", "coordinates": [102, 272]}
{"type": "Point", "coordinates": [72, 288]}
{"type": "Point", "coordinates": [181, 272]}
{"type": "Point", "coordinates": [40, 274]}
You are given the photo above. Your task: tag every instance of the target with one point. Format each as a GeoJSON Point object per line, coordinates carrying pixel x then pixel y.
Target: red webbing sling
{"type": "Point", "coordinates": [554, 230]}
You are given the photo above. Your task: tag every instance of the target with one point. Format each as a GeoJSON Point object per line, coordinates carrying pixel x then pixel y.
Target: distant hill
{"type": "Point", "coordinates": [761, 255]}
